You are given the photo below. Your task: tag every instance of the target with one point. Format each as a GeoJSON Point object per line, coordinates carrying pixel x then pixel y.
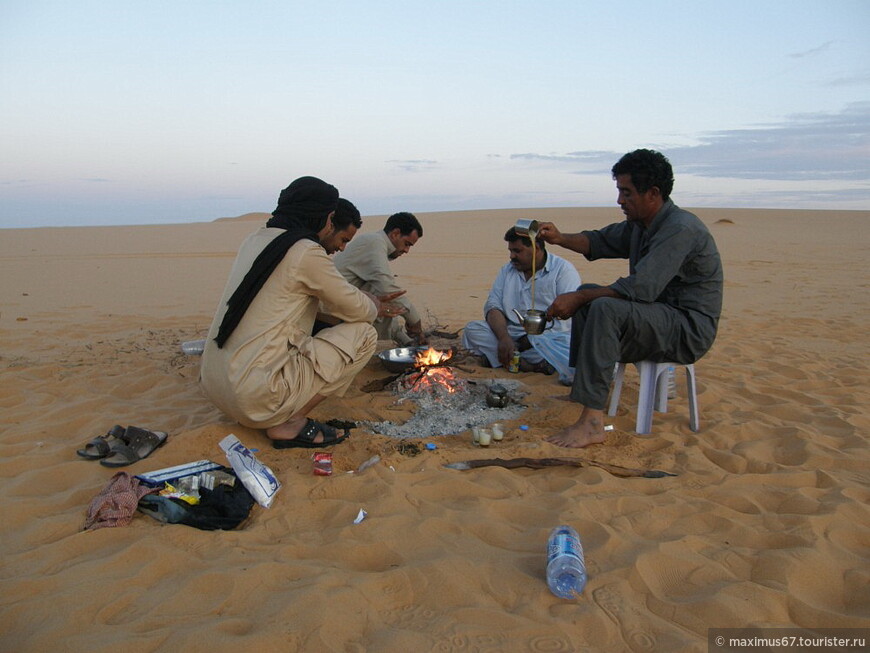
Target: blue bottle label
{"type": "Point", "coordinates": [566, 543]}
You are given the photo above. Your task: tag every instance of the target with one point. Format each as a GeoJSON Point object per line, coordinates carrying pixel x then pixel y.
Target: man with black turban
{"type": "Point", "coordinates": [261, 365]}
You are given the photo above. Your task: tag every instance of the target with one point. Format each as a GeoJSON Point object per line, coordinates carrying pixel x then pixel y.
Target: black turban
{"type": "Point", "coordinates": [302, 211]}
{"type": "Point", "coordinates": [305, 203]}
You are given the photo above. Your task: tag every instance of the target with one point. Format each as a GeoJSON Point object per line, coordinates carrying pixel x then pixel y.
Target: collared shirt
{"type": "Point", "coordinates": [365, 264]}
{"type": "Point", "coordinates": [674, 261]}
{"type": "Point", "coordinates": [511, 290]}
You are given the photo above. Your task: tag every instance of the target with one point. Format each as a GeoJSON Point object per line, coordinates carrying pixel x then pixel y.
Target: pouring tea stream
{"type": "Point", "coordinates": [535, 321]}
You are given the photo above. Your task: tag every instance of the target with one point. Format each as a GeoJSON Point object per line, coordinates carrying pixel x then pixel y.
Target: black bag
{"type": "Point", "coordinates": [223, 508]}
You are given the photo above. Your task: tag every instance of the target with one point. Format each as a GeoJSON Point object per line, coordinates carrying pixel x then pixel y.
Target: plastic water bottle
{"type": "Point", "coordinates": [193, 347]}
{"type": "Point", "coordinates": [566, 570]}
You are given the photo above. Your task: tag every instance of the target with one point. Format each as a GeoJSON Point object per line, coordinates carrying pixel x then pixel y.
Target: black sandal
{"type": "Point", "coordinates": [305, 439]}
{"type": "Point", "coordinates": [137, 444]}
{"type": "Point", "coordinates": [101, 446]}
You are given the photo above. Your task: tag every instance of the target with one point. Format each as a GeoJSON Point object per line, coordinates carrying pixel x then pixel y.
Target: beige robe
{"type": "Point", "coordinates": [271, 365]}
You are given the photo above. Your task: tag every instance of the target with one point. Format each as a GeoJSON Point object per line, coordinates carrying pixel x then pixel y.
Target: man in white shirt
{"type": "Point", "coordinates": [499, 335]}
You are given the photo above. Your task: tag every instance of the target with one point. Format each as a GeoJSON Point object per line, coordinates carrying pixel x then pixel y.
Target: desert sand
{"type": "Point", "coordinates": [765, 523]}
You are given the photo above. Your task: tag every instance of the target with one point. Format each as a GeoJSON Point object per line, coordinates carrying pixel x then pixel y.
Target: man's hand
{"type": "Point", "coordinates": [390, 309]}
{"type": "Point", "coordinates": [550, 233]}
{"type": "Point", "coordinates": [415, 332]}
{"type": "Point", "coordinates": [385, 305]}
{"type": "Point", "coordinates": [505, 351]}
{"type": "Point", "coordinates": [391, 296]}
{"type": "Point", "coordinates": [499, 325]}
{"type": "Point", "coordinates": [564, 306]}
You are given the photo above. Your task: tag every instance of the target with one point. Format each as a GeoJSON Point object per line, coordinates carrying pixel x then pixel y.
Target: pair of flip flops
{"type": "Point", "coordinates": [121, 446]}
{"type": "Point", "coordinates": [305, 439]}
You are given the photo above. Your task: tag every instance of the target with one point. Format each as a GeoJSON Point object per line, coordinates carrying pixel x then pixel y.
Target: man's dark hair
{"type": "Point", "coordinates": [405, 222]}
{"type": "Point", "coordinates": [647, 168]}
{"type": "Point", "coordinates": [512, 236]}
{"type": "Point", "coordinates": [346, 214]}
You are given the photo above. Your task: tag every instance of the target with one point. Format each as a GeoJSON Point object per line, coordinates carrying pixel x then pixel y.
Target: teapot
{"type": "Point", "coordinates": [534, 321]}
{"type": "Point", "coordinates": [497, 396]}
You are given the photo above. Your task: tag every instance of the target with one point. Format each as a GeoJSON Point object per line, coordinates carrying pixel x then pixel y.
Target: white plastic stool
{"type": "Point", "coordinates": [653, 393]}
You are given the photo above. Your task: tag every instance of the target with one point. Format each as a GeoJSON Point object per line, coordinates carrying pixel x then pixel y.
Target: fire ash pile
{"type": "Point", "coordinates": [446, 403]}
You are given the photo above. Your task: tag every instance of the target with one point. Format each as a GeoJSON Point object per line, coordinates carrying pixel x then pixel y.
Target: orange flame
{"type": "Point", "coordinates": [432, 357]}
{"type": "Point", "coordinates": [434, 376]}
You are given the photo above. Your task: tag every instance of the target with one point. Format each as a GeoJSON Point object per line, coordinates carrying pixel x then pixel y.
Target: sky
{"type": "Point", "coordinates": [122, 112]}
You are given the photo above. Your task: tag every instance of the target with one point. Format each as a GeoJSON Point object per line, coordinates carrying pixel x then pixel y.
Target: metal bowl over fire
{"type": "Point", "coordinates": [401, 359]}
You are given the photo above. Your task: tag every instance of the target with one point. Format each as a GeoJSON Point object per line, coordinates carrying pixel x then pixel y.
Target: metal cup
{"type": "Point", "coordinates": [528, 228]}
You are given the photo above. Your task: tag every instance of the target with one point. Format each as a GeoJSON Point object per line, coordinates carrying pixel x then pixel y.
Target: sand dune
{"type": "Point", "coordinates": [766, 522]}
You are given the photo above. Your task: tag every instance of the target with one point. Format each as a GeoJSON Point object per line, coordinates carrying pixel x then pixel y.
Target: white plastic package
{"type": "Point", "coordinates": [254, 475]}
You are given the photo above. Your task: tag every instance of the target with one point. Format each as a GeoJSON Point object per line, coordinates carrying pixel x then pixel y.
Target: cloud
{"type": "Point", "coordinates": [860, 79]}
{"type": "Point", "coordinates": [812, 51]}
{"type": "Point", "coordinates": [803, 147]}
{"type": "Point", "coordinates": [413, 165]}
{"type": "Point", "coordinates": [588, 156]}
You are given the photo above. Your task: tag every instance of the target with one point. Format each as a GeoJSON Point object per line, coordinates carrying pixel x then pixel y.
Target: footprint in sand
{"type": "Point", "coordinates": [626, 618]}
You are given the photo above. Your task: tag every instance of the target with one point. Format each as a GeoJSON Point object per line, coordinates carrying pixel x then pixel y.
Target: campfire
{"type": "Point", "coordinates": [432, 374]}
{"type": "Point", "coordinates": [445, 402]}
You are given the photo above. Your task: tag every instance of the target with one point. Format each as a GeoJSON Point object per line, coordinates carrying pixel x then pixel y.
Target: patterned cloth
{"type": "Point", "coordinates": [116, 503]}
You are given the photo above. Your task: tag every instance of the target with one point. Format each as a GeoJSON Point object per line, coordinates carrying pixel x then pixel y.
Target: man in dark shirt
{"type": "Point", "coordinates": [666, 309]}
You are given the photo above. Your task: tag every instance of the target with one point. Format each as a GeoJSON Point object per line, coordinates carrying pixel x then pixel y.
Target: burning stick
{"type": "Point", "coordinates": [432, 371]}
{"type": "Point", "coordinates": [541, 463]}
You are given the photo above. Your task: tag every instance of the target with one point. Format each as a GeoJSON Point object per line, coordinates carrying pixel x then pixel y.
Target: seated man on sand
{"type": "Point", "coordinates": [261, 365]}
{"type": "Point", "coordinates": [666, 309]}
{"type": "Point", "coordinates": [365, 263]}
{"type": "Point", "coordinates": [500, 334]}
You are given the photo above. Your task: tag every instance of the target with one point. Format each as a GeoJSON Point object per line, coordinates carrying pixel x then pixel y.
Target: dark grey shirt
{"type": "Point", "coordinates": [675, 261]}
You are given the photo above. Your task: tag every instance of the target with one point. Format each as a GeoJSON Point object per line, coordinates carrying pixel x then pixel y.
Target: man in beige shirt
{"type": "Point", "coordinates": [261, 365]}
{"type": "Point", "coordinates": [365, 263]}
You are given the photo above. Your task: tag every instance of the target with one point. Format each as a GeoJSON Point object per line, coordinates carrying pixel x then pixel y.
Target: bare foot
{"type": "Point", "coordinates": [589, 429]}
